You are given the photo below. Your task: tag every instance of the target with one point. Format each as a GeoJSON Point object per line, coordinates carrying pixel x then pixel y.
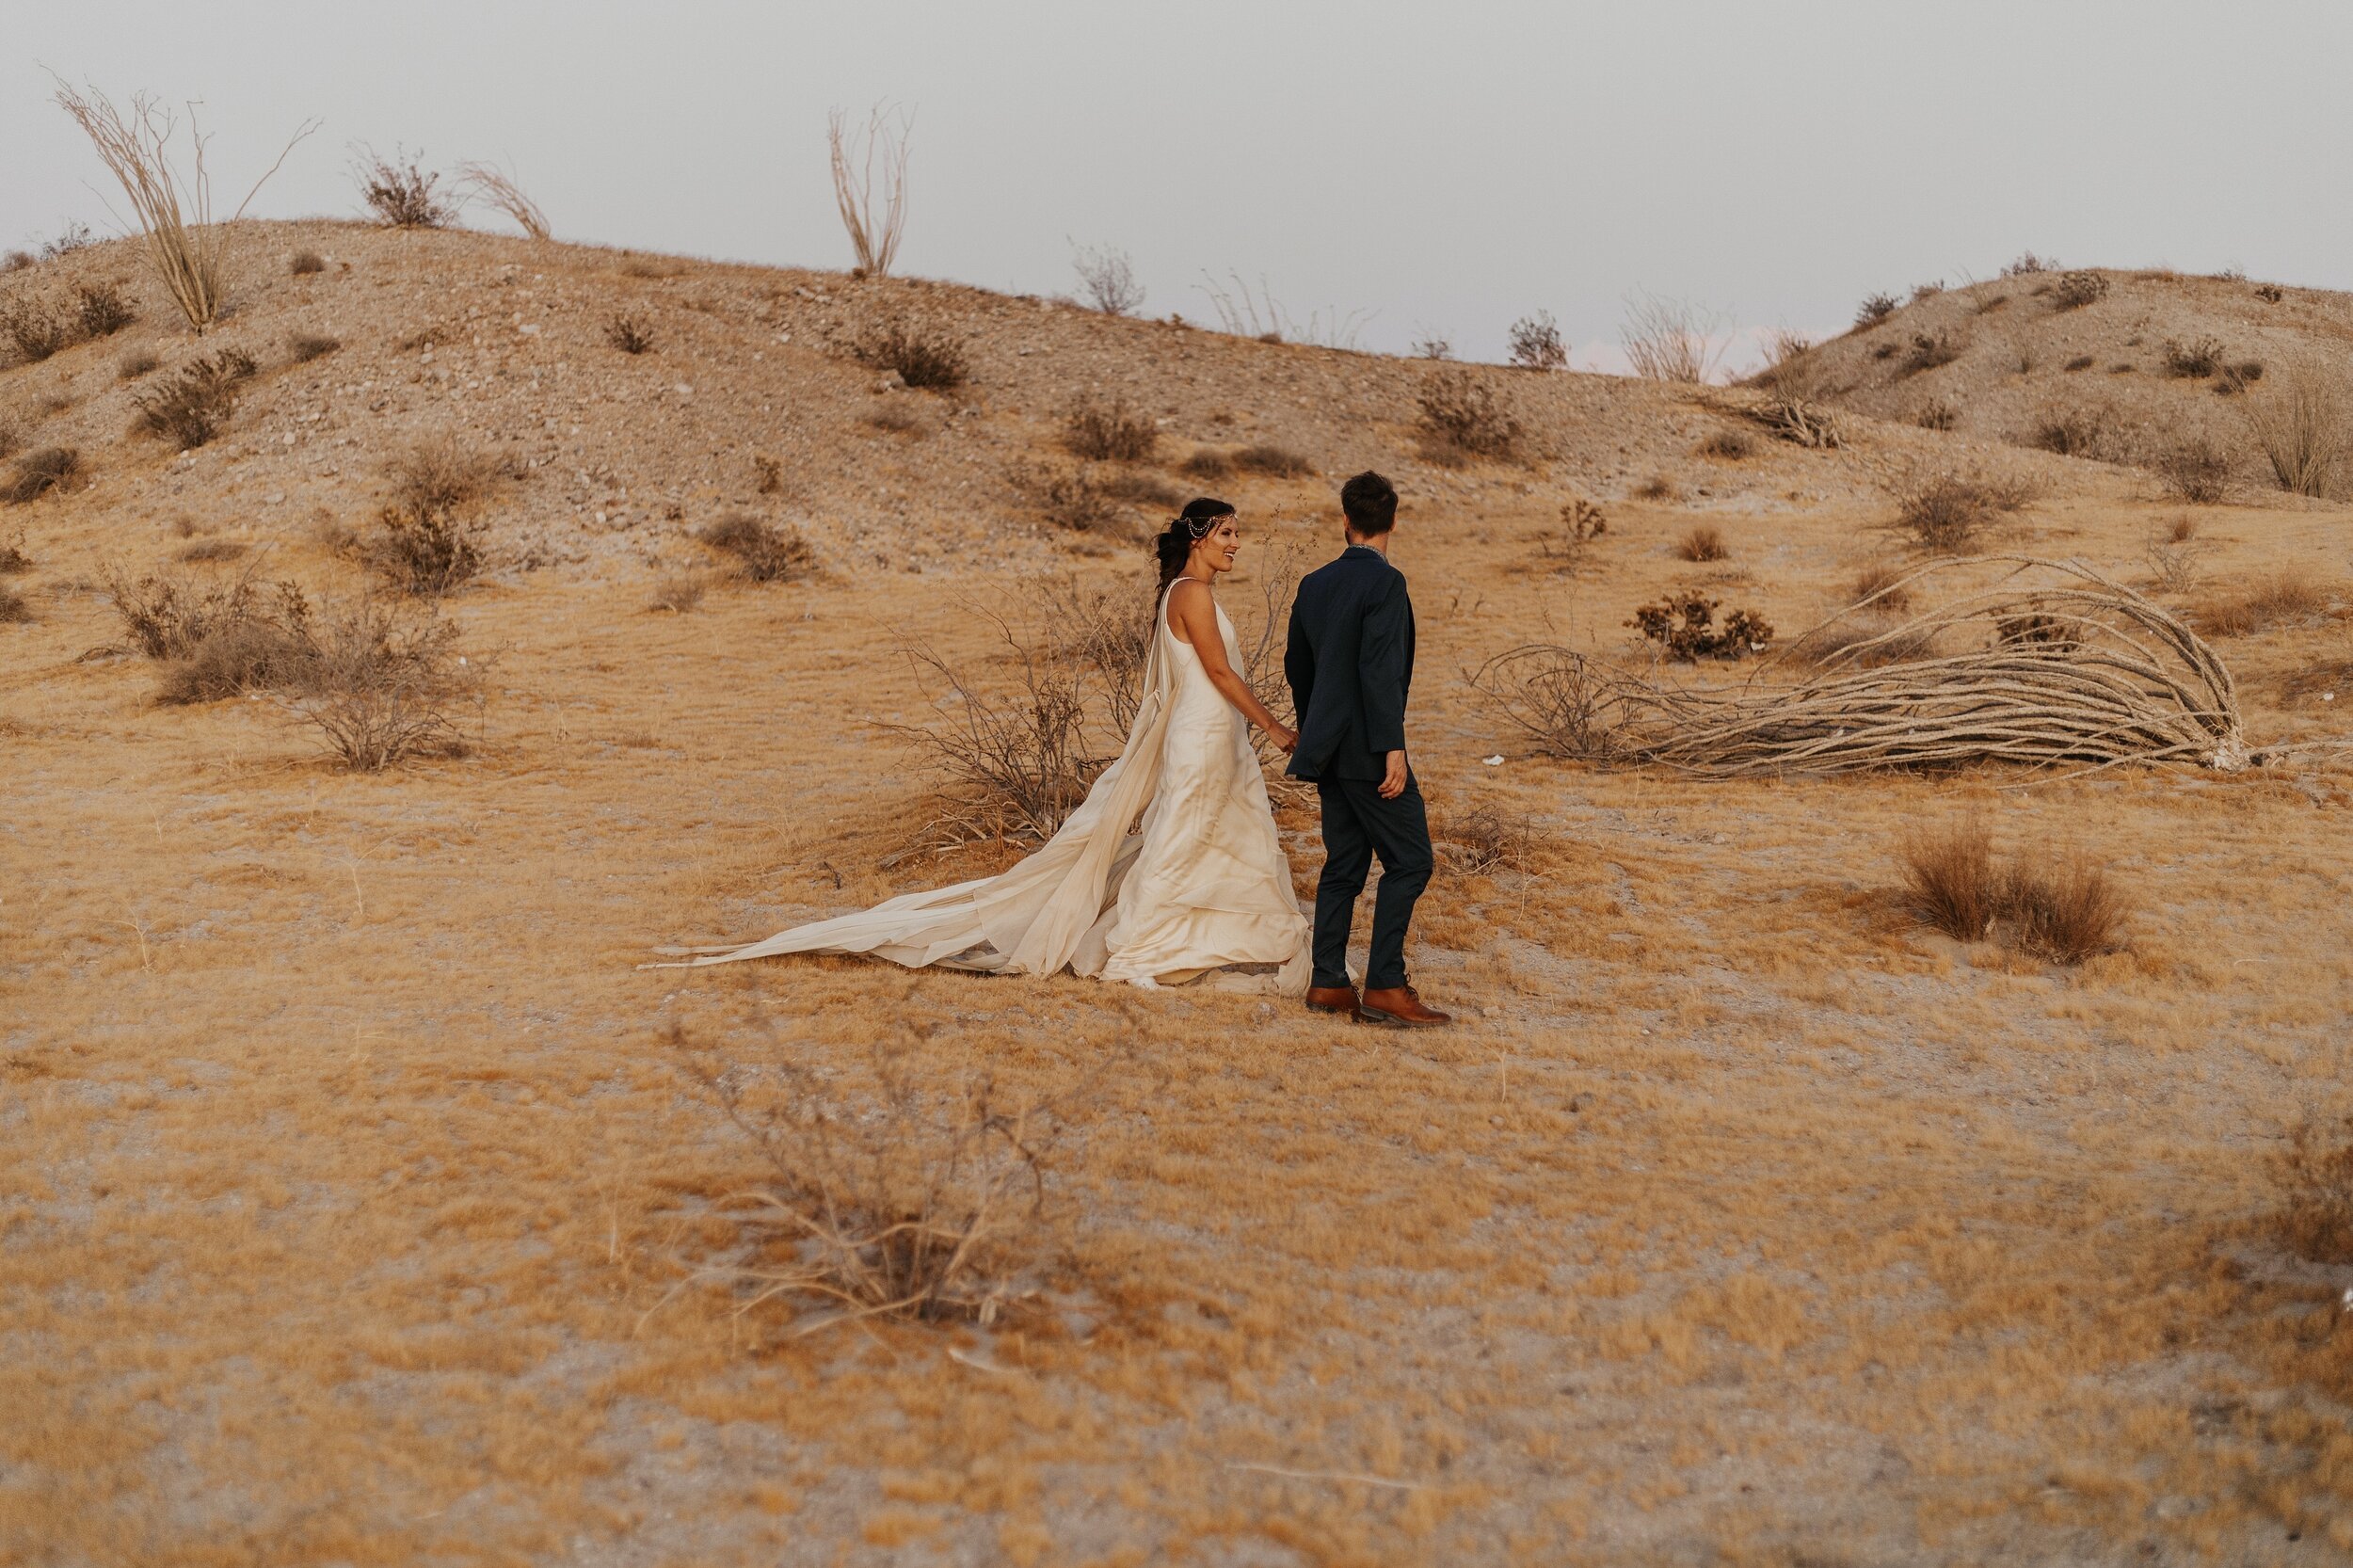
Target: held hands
{"type": "Point", "coordinates": [1393, 781]}
{"type": "Point", "coordinates": [1286, 738]}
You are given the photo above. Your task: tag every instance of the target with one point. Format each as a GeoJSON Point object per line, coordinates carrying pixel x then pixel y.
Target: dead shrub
{"type": "Point", "coordinates": [1145, 490]}
{"type": "Point", "coordinates": [1864, 644]}
{"type": "Point", "coordinates": [2074, 290]}
{"type": "Point", "coordinates": [1874, 309]}
{"type": "Point", "coordinates": [2270, 294]}
{"type": "Point", "coordinates": [2314, 1177]}
{"type": "Point", "coordinates": [1108, 279]}
{"type": "Point", "coordinates": [1073, 500]}
{"type": "Point", "coordinates": [2269, 603]}
{"type": "Point", "coordinates": [1671, 340]}
{"type": "Point", "coordinates": [213, 550]}
{"type": "Point", "coordinates": [1683, 625]}
{"type": "Point", "coordinates": [1946, 511]}
{"type": "Point", "coordinates": [1110, 632]}
{"type": "Point", "coordinates": [1729, 445]}
{"type": "Point", "coordinates": [923, 356]}
{"type": "Point", "coordinates": [898, 415]}
{"type": "Point", "coordinates": [11, 436]}
{"type": "Point", "coordinates": [1535, 341]}
{"type": "Point", "coordinates": [12, 556]}
{"type": "Point", "coordinates": [1657, 487]}
{"type": "Point", "coordinates": [382, 684]}
{"type": "Point", "coordinates": [1110, 431]}
{"type": "Point", "coordinates": [1484, 841]}
{"type": "Point", "coordinates": [677, 592]}
{"type": "Point", "coordinates": [1797, 419]}
{"type": "Point", "coordinates": [629, 334]}
{"type": "Point", "coordinates": [1949, 879]}
{"type": "Point", "coordinates": [1704, 543]}
{"type": "Point", "coordinates": [34, 331]}
{"type": "Point", "coordinates": [891, 1189]}
{"type": "Point", "coordinates": [1015, 761]}
{"type": "Point", "coordinates": [1881, 585]}
{"type": "Point", "coordinates": [1581, 523]}
{"type": "Point", "coordinates": [100, 310]}
{"type": "Point", "coordinates": [767, 474]}
{"type": "Point", "coordinates": [2071, 433]}
{"type": "Point", "coordinates": [2173, 552]}
{"type": "Point", "coordinates": [1929, 350]}
{"type": "Point", "coordinates": [305, 262]}
{"type": "Point", "coordinates": [2197, 472]}
{"type": "Point", "coordinates": [763, 552]}
{"type": "Point", "coordinates": [137, 363]}
{"type": "Point", "coordinates": [189, 408]}
{"type": "Point", "coordinates": [1936, 414]}
{"type": "Point", "coordinates": [51, 468]}
{"type": "Point", "coordinates": [2193, 361]}
{"type": "Point", "coordinates": [2062, 911]}
{"type": "Point", "coordinates": [427, 537]}
{"type": "Point", "coordinates": [303, 347]}
{"type": "Point", "coordinates": [1207, 463]}
{"type": "Point", "coordinates": [2302, 432]}
{"type": "Point", "coordinates": [12, 607]}
{"type": "Point", "coordinates": [1273, 462]}
{"type": "Point", "coordinates": [1462, 416]}
{"type": "Point", "coordinates": [399, 191]}
{"type": "Point", "coordinates": [2081, 361]}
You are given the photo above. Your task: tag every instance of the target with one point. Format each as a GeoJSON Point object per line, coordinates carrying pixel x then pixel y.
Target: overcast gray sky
{"type": "Point", "coordinates": [1437, 167]}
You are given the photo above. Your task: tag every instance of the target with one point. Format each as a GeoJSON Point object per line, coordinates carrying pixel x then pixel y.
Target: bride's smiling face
{"type": "Point", "coordinates": [1214, 553]}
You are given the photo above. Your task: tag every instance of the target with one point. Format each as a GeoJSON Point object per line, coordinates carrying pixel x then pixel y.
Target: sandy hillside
{"type": "Point", "coordinates": [359, 1186]}
{"type": "Point", "coordinates": [2126, 367]}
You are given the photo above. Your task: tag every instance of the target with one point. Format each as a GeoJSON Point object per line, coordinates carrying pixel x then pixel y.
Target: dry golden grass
{"type": "Point", "coordinates": [1737, 1220]}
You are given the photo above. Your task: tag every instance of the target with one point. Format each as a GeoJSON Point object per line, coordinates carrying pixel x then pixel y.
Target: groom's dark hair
{"type": "Point", "coordinates": [1370, 502]}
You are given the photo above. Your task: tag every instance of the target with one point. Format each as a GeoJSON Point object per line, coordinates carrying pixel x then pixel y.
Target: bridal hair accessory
{"type": "Point", "coordinates": [1199, 527]}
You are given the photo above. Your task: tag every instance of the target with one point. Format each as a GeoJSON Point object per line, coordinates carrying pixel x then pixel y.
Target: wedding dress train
{"type": "Point", "coordinates": [1202, 885]}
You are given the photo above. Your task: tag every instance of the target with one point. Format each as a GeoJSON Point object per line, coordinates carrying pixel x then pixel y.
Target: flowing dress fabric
{"type": "Point", "coordinates": [1201, 886]}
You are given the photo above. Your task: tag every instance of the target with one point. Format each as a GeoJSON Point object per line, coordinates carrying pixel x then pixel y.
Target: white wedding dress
{"type": "Point", "coordinates": [1200, 887]}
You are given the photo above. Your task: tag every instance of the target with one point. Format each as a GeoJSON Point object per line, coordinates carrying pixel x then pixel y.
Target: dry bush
{"type": "Point", "coordinates": [1929, 350]}
{"type": "Point", "coordinates": [898, 415]}
{"type": "Point", "coordinates": [1874, 309]}
{"type": "Point", "coordinates": [2315, 1176]}
{"type": "Point", "coordinates": [1208, 463]}
{"type": "Point", "coordinates": [923, 355]}
{"type": "Point", "coordinates": [11, 436]}
{"type": "Point", "coordinates": [173, 206]}
{"type": "Point", "coordinates": [763, 552]}
{"type": "Point", "coordinates": [100, 311]}
{"type": "Point", "coordinates": [2324, 678]}
{"type": "Point", "coordinates": [874, 233]}
{"type": "Point", "coordinates": [426, 534]}
{"type": "Point", "coordinates": [2269, 603]}
{"type": "Point", "coordinates": [2028, 264]}
{"type": "Point", "coordinates": [1461, 417]}
{"type": "Point", "coordinates": [1682, 626]}
{"type": "Point", "coordinates": [678, 592]}
{"type": "Point", "coordinates": [495, 186]}
{"type": "Point", "coordinates": [399, 191]}
{"type": "Point", "coordinates": [2193, 361]}
{"type": "Point", "coordinates": [2071, 433]}
{"type": "Point", "coordinates": [2063, 910]}
{"type": "Point", "coordinates": [1659, 487]}
{"type": "Point", "coordinates": [1099, 431]}
{"type": "Point", "coordinates": [1881, 586]}
{"type": "Point", "coordinates": [1145, 490]}
{"type": "Point", "coordinates": [137, 363]}
{"type": "Point", "coordinates": [2173, 552]}
{"type": "Point", "coordinates": [1536, 344]}
{"type": "Point", "coordinates": [1863, 645]}
{"type": "Point", "coordinates": [1568, 706]}
{"type": "Point", "coordinates": [1016, 761]}
{"type": "Point", "coordinates": [34, 331]}
{"type": "Point", "coordinates": [2302, 431]}
{"type": "Point", "coordinates": [1582, 522]}
{"type": "Point", "coordinates": [38, 472]}
{"type": "Point", "coordinates": [1670, 340]}
{"type": "Point", "coordinates": [1937, 414]}
{"type": "Point", "coordinates": [1945, 511]}
{"type": "Point", "coordinates": [303, 347]}
{"type": "Point", "coordinates": [1950, 881]}
{"type": "Point", "coordinates": [213, 550]}
{"type": "Point", "coordinates": [382, 685]}
{"type": "Point", "coordinates": [1108, 279]}
{"type": "Point", "coordinates": [2196, 471]}
{"type": "Point", "coordinates": [1110, 632]}
{"type": "Point", "coordinates": [2233, 379]}
{"type": "Point", "coordinates": [2081, 361]}
{"type": "Point", "coordinates": [1431, 346]}
{"type": "Point", "coordinates": [891, 1189]}
{"type": "Point", "coordinates": [1796, 419]}
{"type": "Point", "coordinates": [2074, 290]}
{"type": "Point", "coordinates": [629, 334]}
{"type": "Point", "coordinates": [13, 609]}
{"type": "Point", "coordinates": [306, 262]}
{"type": "Point", "coordinates": [189, 409]}
{"type": "Point", "coordinates": [1073, 500]}
{"type": "Point", "coordinates": [1484, 839]}
{"type": "Point", "coordinates": [16, 260]}
{"type": "Point", "coordinates": [1730, 445]}
{"type": "Point", "coordinates": [767, 474]}
{"type": "Point", "coordinates": [1704, 543]}
{"type": "Point", "coordinates": [12, 556]}
{"type": "Point", "coordinates": [1273, 462]}
{"type": "Point", "coordinates": [217, 639]}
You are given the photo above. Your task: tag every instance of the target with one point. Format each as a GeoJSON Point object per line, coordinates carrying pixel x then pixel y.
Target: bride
{"type": "Point", "coordinates": [1200, 886]}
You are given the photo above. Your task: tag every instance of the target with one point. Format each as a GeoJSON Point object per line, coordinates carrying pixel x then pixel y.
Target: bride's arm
{"type": "Point", "coordinates": [1194, 612]}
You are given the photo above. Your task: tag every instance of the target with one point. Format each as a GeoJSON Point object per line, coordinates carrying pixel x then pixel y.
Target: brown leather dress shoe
{"type": "Point", "coordinates": [1399, 1006]}
{"type": "Point", "coordinates": [1332, 999]}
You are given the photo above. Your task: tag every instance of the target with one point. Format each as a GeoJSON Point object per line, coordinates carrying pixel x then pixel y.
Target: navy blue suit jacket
{"type": "Point", "coordinates": [1350, 662]}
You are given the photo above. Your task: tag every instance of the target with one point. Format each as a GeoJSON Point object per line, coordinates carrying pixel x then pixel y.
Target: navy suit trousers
{"type": "Point", "coordinates": [1357, 826]}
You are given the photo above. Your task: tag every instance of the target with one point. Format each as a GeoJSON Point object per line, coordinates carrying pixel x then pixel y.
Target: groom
{"type": "Point", "coordinates": [1350, 662]}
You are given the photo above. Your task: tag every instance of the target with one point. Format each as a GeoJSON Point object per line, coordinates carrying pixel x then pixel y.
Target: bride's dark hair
{"type": "Point", "coordinates": [1174, 544]}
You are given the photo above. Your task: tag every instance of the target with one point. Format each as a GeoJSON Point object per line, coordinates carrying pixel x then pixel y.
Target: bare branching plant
{"type": "Point", "coordinates": [34, 331]}
{"type": "Point", "coordinates": [1013, 756]}
{"type": "Point", "coordinates": [2197, 472]}
{"type": "Point", "coordinates": [763, 552]}
{"type": "Point", "coordinates": [2173, 553]}
{"type": "Point", "coordinates": [1671, 340]}
{"type": "Point", "coordinates": [42, 470]}
{"type": "Point", "coordinates": [1582, 525]}
{"type": "Point", "coordinates": [1535, 341]}
{"type": "Point", "coordinates": [1074, 500]}
{"type": "Point", "coordinates": [1260, 315]}
{"type": "Point", "coordinates": [495, 186]}
{"type": "Point", "coordinates": [628, 333]}
{"type": "Point", "coordinates": [889, 1191]}
{"type": "Point", "coordinates": [925, 357]}
{"type": "Point", "coordinates": [1108, 430]}
{"type": "Point", "coordinates": [100, 311]}
{"type": "Point", "coordinates": [1874, 309]}
{"type": "Point", "coordinates": [858, 158]}
{"type": "Point", "coordinates": [2301, 428]}
{"type": "Point", "coordinates": [172, 205]}
{"type": "Point", "coordinates": [399, 191]}
{"type": "Point", "coordinates": [384, 684]}
{"type": "Point", "coordinates": [1107, 279]}
{"type": "Point", "coordinates": [1486, 839]}
{"type": "Point", "coordinates": [1461, 417]}
{"type": "Point", "coordinates": [189, 408]}
{"type": "Point", "coordinates": [1945, 511]}
{"type": "Point", "coordinates": [428, 533]}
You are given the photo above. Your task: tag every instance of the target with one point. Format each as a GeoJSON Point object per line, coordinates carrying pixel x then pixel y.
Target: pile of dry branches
{"type": "Point", "coordinates": [2048, 663]}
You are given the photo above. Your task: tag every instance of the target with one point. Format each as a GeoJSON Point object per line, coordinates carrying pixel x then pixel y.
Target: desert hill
{"type": "Point", "coordinates": [362, 1200]}
{"type": "Point", "coordinates": [2130, 367]}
